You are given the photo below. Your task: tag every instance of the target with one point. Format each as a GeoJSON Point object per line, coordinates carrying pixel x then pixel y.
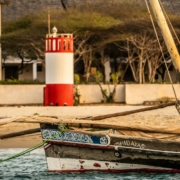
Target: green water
{"type": "Point", "coordinates": [33, 166]}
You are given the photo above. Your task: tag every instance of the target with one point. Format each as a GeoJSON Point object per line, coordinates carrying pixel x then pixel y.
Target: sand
{"type": "Point", "coordinates": [162, 117]}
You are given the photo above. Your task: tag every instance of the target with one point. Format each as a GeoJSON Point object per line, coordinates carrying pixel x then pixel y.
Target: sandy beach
{"type": "Point", "coordinates": [162, 118]}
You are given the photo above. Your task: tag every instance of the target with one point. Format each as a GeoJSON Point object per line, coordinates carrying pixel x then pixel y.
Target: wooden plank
{"type": "Point", "coordinates": [147, 129]}
{"type": "Point", "coordinates": [21, 133]}
{"type": "Point", "coordinates": [109, 125]}
{"type": "Point", "coordinates": [130, 112]}
{"type": "Point", "coordinates": [4, 117]}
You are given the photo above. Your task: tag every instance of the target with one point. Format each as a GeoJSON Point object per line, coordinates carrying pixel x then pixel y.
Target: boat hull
{"type": "Point", "coordinates": [80, 152]}
{"type": "Point", "coordinates": [83, 165]}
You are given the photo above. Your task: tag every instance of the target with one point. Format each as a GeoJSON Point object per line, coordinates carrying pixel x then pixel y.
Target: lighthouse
{"type": "Point", "coordinates": [59, 69]}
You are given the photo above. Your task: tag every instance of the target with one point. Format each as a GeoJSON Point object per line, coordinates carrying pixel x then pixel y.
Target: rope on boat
{"type": "Point", "coordinates": [62, 130]}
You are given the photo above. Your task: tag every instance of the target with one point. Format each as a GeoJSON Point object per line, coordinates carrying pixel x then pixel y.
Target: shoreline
{"type": "Point", "coordinates": [78, 111]}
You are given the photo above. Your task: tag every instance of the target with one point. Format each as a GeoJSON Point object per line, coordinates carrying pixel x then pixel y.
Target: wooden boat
{"type": "Point", "coordinates": [108, 145]}
{"type": "Point", "coordinates": [107, 151]}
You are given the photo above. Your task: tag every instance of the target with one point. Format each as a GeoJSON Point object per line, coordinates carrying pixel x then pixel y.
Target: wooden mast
{"type": "Point", "coordinates": [49, 19]}
{"type": "Point", "coordinates": [171, 46]}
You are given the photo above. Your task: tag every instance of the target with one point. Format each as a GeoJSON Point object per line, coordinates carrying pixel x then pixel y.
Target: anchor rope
{"type": "Point", "coordinates": [154, 27]}
{"type": "Point", "coordinates": [62, 130]}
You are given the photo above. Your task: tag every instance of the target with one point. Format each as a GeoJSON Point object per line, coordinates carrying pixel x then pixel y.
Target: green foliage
{"type": "Point", "coordinates": [98, 76]}
{"type": "Point", "coordinates": [66, 21]}
{"type": "Point", "coordinates": [107, 23]}
{"type": "Point", "coordinates": [36, 114]}
{"type": "Point", "coordinates": [30, 31]}
{"type": "Point", "coordinates": [92, 19]}
{"type": "Point", "coordinates": [76, 90]}
{"type": "Point", "coordinates": [108, 97]}
{"type": "Point", "coordinates": [115, 77]}
{"type": "Point", "coordinates": [77, 79]}
{"type": "Point", "coordinates": [76, 95]}
{"type": "Point", "coordinates": [75, 20]}
{"type": "Point", "coordinates": [12, 26]}
{"type": "Point", "coordinates": [117, 19]}
{"type": "Point", "coordinates": [16, 81]}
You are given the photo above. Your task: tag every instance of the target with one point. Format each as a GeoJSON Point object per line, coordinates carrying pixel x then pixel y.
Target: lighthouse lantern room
{"type": "Point", "coordinates": [59, 69]}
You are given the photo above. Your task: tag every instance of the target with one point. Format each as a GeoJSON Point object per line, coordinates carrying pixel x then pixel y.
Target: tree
{"type": "Point", "coordinates": [144, 55]}
{"type": "Point", "coordinates": [103, 58]}
{"type": "Point", "coordinates": [96, 28]}
{"type": "Point", "coordinates": [27, 34]}
{"type": "Point", "coordinates": [155, 58]}
{"type": "Point", "coordinates": [84, 50]}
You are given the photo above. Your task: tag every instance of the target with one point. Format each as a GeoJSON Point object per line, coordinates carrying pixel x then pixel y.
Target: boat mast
{"type": "Point", "coordinates": [166, 33]}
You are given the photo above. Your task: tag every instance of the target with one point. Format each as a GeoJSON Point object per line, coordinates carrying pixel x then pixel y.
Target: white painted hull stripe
{"type": "Point", "coordinates": [66, 164]}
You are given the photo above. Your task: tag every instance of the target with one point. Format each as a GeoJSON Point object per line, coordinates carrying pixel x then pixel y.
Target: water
{"type": "Point", "coordinates": [33, 166]}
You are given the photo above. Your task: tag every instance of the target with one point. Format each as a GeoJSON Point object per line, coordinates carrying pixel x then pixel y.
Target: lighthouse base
{"type": "Point", "coordinates": [58, 95]}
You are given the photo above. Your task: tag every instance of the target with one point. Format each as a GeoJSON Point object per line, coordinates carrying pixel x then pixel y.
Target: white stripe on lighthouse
{"type": "Point", "coordinates": [59, 68]}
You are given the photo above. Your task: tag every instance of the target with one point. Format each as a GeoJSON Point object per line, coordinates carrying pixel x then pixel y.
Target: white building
{"type": "Point", "coordinates": [33, 70]}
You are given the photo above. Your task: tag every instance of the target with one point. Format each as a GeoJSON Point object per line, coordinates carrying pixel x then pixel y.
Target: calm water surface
{"type": "Point", "coordinates": [33, 166]}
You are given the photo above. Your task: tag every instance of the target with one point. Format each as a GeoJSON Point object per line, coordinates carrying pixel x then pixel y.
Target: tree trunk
{"type": "Point", "coordinates": [104, 95]}
{"type": "Point", "coordinates": [133, 72]}
{"type": "Point", "coordinates": [123, 72]}
{"type": "Point", "coordinates": [114, 92]}
{"type": "Point", "coordinates": [104, 74]}
{"type": "Point", "coordinates": [140, 73]}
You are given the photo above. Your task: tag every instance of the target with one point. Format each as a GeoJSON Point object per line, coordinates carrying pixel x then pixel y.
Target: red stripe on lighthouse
{"type": "Point", "coordinates": [59, 95]}
{"type": "Point", "coordinates": [59, 45]}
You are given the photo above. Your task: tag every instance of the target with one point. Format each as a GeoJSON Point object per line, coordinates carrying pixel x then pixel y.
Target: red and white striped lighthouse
{"type": "Point", "coordinates": [59, 69]}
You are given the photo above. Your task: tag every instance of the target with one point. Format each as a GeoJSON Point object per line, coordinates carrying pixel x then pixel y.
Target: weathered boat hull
{"type": "Point", "coordinates": [75, 165]}
{"type": "Point", "coordinates": [79, 152]}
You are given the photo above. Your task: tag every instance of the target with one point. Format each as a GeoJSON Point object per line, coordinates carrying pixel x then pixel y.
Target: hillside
{"type": "Point", "coordinates": [20, 7]}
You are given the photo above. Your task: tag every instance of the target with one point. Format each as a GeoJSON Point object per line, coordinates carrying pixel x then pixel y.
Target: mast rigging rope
{"type": "Point", "coordinates": [154, 27]}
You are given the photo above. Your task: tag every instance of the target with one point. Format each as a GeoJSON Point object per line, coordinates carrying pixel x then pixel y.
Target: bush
{"type": "Point", "coordinates": [16, 81]}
